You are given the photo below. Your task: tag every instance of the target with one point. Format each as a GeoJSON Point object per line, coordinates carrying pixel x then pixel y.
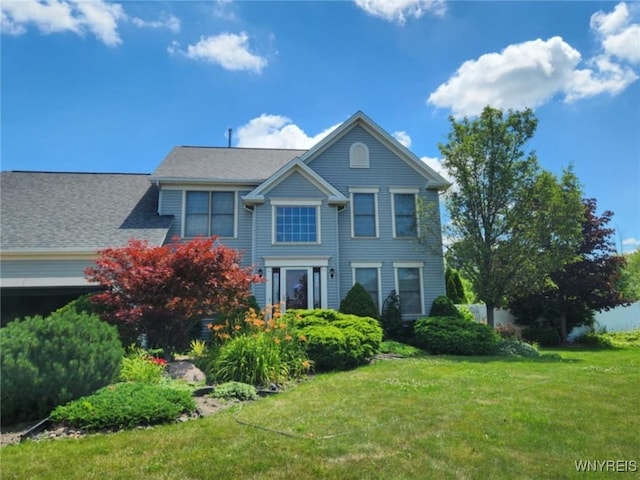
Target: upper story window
{"type": "Point", "coordinates": [364, 212]}
{"type": "Point", "coordinates": [296, 222]}
{"type": "Point", "coordinates": [210, 213]}
{"type": "Point", "coordinates": [404, 212]}
{"type": "Point", "coordinates": [359, 155]}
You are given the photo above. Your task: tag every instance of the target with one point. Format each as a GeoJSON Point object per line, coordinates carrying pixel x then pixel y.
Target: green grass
{"type": "Point", "coordinates": [427, 417]}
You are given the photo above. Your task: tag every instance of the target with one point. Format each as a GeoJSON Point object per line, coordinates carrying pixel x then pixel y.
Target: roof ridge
{"type": "Point", "coordinates": [74, 173]}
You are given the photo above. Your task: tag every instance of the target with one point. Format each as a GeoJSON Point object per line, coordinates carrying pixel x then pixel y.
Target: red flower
{"type": "Point", "coordinates": [159, 361]}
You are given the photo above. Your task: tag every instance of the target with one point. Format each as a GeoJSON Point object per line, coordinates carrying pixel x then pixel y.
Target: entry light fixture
{"type": "Point", "coordinates": [260, 272]}
{"type": "Point", "coordinates": [332, 272]}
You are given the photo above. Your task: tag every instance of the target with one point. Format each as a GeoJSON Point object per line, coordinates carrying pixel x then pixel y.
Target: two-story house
{"type": "Point", "coordinates": [311, 222]}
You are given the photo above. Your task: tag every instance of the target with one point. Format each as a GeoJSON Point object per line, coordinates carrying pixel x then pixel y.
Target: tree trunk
{"type": "Point", "coordinates": [563, 328]}
{"type": "Point", "coordinates": [490, 309]}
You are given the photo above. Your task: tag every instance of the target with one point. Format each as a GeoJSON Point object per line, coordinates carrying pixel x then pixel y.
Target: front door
{"type": "Point", "coordinates": [297, 287]}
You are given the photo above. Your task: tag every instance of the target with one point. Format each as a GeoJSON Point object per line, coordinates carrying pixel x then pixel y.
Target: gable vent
{"type": "Point", "coordinates": [359, 155]}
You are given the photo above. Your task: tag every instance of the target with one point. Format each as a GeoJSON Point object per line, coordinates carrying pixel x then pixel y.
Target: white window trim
{"type": "Point", "coordinates": [377, 266]}
{"type": "Point", "coordinates": [353, 164]}
{"type": "Point", "coordinates": [209, 190]}
{"type": "Point", "coordinates": [404, 190]}
{"type": "Point", "coordinates": [371, 190]}
{"type": "Point", "coordinates": [420, 267]}
{"type": "Point", "coordinates": [292, 202]}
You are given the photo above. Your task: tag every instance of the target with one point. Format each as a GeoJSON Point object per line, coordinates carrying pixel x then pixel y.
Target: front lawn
{"type": "Point", "coordinates": [424, 417]}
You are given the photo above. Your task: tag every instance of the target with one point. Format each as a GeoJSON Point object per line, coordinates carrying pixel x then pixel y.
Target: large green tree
{"type": "Point", "coordinates": [589, 282]}
{"type": "Point", "coordinates": [629, 282]}
{"type": "Point", "coordinates": [511, 222]}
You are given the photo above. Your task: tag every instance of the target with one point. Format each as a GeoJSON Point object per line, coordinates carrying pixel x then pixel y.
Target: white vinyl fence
{"type": "Point", "coordinates": [619, 319]}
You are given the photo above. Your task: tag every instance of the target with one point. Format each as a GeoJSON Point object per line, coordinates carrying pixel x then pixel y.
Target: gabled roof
{"type": "Point", "coordinates": [295, 165]}
{"type": "Point", "coordinates": [435, 180]}
{"type": "Point", "coordinates": [43, 212]}
{"type": "Point", "coordinates": [249, 166]}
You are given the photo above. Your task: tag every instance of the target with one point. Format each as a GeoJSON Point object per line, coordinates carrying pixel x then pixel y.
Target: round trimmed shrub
{"type": "Point", "coordinates": [358, 302]}
{"type": "Point", "coordinates": [442, 306]}
{"type": "Point", "coordinates": [337, 341]}
{"type": "Point", "coordinates": [50, 361]}
{"type": "Point", "coordinates": [455, 336]}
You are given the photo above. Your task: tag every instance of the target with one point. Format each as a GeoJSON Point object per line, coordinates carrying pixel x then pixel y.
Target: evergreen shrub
{"type": "Point", "coordinates": [442, 306]}
{"type": "Point", "coordinates": [50, 361]}
{"type": "Point", "coordinates": [455, 336]}
{"type": "Point", "coordinates": [337, 341]}
{"type": "Point", "coordinates": [543, 336]}
{"type": "Point", "coordinates": [359, 302]}
{"type": "Point", "coordinates": [125, 405]}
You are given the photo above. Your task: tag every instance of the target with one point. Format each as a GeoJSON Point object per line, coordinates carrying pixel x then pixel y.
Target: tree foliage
{"type": "Point", "coordinates": [511, 222]}
{"type": "Point", "coordinates": [587, 283]}
{"type": "Point", "coordinates": [629, 283]}
{"type": "Point", "coordinates": [161, 291]}
{"type": "Point", "coordinates": [455, 289]}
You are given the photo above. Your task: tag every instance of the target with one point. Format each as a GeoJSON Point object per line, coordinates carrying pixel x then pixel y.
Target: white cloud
{"type": "Point", "coordinates": [228, 50]}
{"type": "Point", "coordinates": [620, 37]}
{"type": "Point", "coordinates": [631, 243]}
{"type": "Point", "coordinates": [436, 164]}
{"type": "Point", "coordinates": [531, 73]}
{"type": "Point", "coordinates": [98, 17]}
{"type": "Point", "coordinates": [277, 131]}
{"type": "Point", "coordinates": [399, 10]}
{"type": "Point", "coordinates": [166, 21]}
{"type": "Point", "coordinates": [403, 138]}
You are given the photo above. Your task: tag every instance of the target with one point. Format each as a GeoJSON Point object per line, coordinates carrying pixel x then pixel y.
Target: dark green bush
{"type": "Point", "coordinates": [455, 336]}
{"type": "Point", "coordinates": [47, 362]}
{"type": "Point", "coordinates": [359, 302]}
{"type": "Point", "coordinates": [337, 341]}
{"type": "Point", "coordinates": [125, 405]}
{"type": "Point", "coordinates": [391, 318]}
{"type": "Point", "coordinates": [543, 336]}
{"type": "Point", "coordinates": [442, 306]}
{"type": "Point", "coordinates": [593, 339]}
{"type": "Point", "coordinates": [239, 390]}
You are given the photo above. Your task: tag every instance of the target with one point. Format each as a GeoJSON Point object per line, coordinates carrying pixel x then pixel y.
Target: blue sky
{"type": "Point", "coordinates": [113, 86]}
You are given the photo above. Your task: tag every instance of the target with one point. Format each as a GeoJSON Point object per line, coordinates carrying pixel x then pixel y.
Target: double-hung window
{"type": "Point", "coordinates": [409, 287]}
{"type": "Point", "coordinates": [364, 212]}
{"type": "Point", "coordinates": [404, 213]}
{"type": "Point", "coordinates": [210, 213]}
{"type": "Point", "coordinates": [368, 275]}
{"type": "Point", "coordinates": [296, 222]}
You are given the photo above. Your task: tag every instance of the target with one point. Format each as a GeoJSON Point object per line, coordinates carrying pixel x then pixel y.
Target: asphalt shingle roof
{"type": "Point", "coordinates": [41, 211]}
{"type": "Point", "coordinates": [219, 164]}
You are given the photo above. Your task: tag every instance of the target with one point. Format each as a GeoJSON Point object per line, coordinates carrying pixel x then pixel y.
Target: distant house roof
{"type": "Point", "coordinates": [77, 212]}
{"type": "Point", "coordinates": [222, 165]}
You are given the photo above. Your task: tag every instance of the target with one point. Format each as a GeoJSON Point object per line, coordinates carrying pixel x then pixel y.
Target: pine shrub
{"type": "Point", "coordinates": [442, 306]}
{"type": "Point", "coordinates": [125, 405]}
{"type": "Point", "coordinates": [391, 318]}
{"type": "Point", "coordinates": [455, 336]}
{"type": "Point", "coordinates": [358, 302]}
{"type": "Point", "coordinates": [337, 341]}
{"type": "Point", "coordinates": [49, 361]}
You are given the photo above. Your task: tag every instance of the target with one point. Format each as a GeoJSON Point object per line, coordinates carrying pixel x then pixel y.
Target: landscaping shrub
{"type": "Point", "coordinates": [543, 336]}
{"type": "Point", "coordinates": [442, 306]}
{"type": "Point", "coordinates": [125, 405]}
{"type": "Point", "coordinates": [239, 390]}
{"type": "Point", "coordinates": [358, 302]}
{"type": "Point", "coordinates": [512, 347]}
{"type": "Point", "coordinates": [509, 330]}
{"type": "Point", "coordinates": [49, 361]}
{"type": "Point", "coordinates": [455, 336]}
{"type": "Point", "coordinates": [593, 339]}
{"type": "Point", "coordinates": [465, 313]}
{"type": "Point", "coordinates": [141, 367]}
{"type": "Point", "coordinates": [391, 318]}
{"type": "Point", "coordinates": [337, 341]}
